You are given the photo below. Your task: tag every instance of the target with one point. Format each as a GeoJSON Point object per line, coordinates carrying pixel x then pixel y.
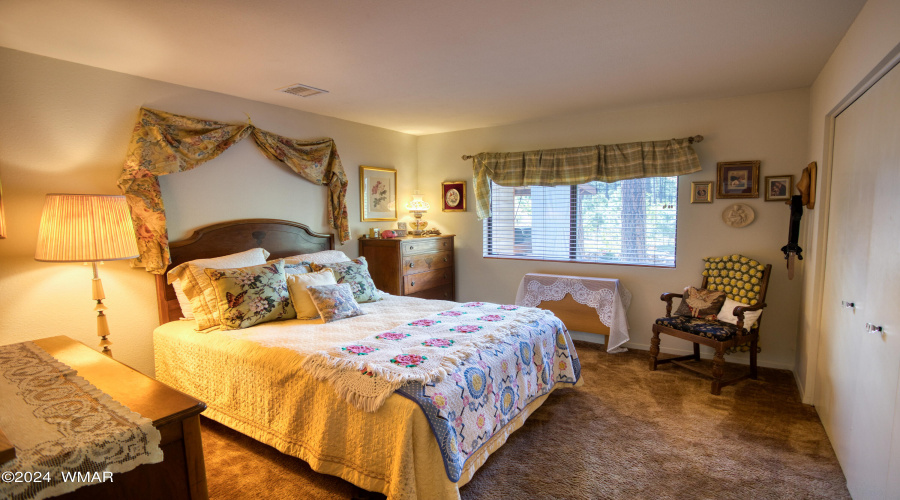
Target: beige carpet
{"type": "Point", "coordinates": [627, 433]}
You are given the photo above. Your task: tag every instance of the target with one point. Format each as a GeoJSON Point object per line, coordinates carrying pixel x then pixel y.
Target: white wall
{"type": "Point", "coordinates": [770, 127]}
{"type": "Point", "coordinates": [872, 37]}
{"type": "Point", "coordinates": [65, 129]}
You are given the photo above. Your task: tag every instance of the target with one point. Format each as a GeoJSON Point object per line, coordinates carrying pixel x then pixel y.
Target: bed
{"type": "Point", "coordinates": [425, 441]}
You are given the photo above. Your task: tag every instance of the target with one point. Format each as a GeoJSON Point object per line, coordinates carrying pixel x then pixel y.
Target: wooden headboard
{"type": "Point", "coordinates": [281, 238]}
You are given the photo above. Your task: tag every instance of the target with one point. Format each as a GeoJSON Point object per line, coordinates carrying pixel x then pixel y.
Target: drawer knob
{"type": "Point", "coordinates": [412, 264]}
{"type": "Point", "coordinates": [445, 259]}
{"type": "Point", "coordinates": [445, 275]}
{"type": "Point", "coordinates": [412, 283]}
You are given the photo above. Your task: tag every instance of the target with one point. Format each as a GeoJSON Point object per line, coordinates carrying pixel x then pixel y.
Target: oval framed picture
{"type": "Point", "coordinates": [454, 196]}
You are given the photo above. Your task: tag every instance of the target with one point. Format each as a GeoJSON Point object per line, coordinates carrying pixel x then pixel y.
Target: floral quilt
{"type": "Point", "coordinates": [471, 369]}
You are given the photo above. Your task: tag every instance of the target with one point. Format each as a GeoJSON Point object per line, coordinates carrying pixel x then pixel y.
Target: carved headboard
{"type": "Point", "coordinates": [281, 238]}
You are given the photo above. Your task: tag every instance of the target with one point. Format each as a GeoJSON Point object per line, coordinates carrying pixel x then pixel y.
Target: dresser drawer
{"type": "Point", "coordinates": [423, 281]}
{"type": "Point", "coordinates": [429, 245]}
{"type": "Point", "coordinates": [421, 263]}
{"type": "Point", "coordinates": [443, 292]}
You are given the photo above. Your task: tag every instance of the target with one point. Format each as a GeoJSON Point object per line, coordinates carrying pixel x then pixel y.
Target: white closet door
{"type": "Point", "coordinates": [861, 369]}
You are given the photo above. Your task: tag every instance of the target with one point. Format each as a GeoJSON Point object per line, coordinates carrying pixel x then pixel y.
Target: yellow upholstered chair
{"type": "Point", "coordinates": [742, 280]}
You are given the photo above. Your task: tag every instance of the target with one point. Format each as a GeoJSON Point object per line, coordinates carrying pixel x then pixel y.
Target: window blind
{"type": "Point", "coordinates": [626, 222]}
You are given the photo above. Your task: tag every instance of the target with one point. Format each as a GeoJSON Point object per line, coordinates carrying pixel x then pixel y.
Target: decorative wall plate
{"type": "Point", "coordinates": [738, 215]}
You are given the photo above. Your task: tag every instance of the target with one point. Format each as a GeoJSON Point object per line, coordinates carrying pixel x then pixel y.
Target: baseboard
{"type": "Point", "coordinates": [590, 337]}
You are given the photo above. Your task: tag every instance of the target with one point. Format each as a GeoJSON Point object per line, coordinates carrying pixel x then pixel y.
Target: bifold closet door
{"type": "Point", "coordinates": [859, 369]}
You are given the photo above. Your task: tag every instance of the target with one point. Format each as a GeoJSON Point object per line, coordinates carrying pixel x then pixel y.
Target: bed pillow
{"type": "Point", "coordinates": [298, 268]}
{"type": "Point", "coordinates": [186, 311]}
{"type": "Point", "coordinates": [323, 257]}
{"type": "Point", "coordinates": [727, 314]}
{"type": "Point", "coordinates": [334, 302]}
{"type": "Point", "coordinates": [196, 286]}
{"type": "Point", "coordinates": [700, 303]}
{"type": "Point", "coordinates": [251, 295]}
{"type": "Point", "coordinates": [356, 274]}
{"type": "Point", "coordinates": [297, 284]}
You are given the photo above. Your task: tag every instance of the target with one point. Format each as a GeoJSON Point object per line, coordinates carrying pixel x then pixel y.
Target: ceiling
{"type": "Point", "coordinates": [427, 66]}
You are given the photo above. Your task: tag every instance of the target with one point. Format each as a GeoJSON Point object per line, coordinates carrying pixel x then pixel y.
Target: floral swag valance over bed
{"type": "Point", "coordinates": [571, 166]}
{"type": "Point", "coordinates": [163, 143]}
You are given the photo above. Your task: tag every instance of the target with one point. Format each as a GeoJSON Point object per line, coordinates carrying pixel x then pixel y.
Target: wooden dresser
{"type": "Point", "coordinates": [182, 473]}
{"type": "Point", "coordinates": [415, 266]}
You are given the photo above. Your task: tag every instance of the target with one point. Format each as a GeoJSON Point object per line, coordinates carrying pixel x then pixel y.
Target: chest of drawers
{"type": "Point", "coordinates": [416, 266]}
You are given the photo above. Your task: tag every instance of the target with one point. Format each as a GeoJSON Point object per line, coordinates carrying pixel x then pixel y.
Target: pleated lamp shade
{"type": "Point", "coordinates": [85, 228]}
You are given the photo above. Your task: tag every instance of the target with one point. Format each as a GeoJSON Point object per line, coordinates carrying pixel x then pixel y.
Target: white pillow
{"type": "Point", "coordinates": [323, 257]}
{"type": "Point", "coordinates": [196, 286]}
{"type": "Point", "coordinates": [727, 314]}
{"type": "Point", "coordinates": [297, 283]}
{"type": "Point", "coordinates": [183, 301]}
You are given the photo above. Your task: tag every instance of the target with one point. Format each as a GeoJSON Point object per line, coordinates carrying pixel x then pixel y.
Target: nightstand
{"type": "Point", "coordinates": [415, 266]}
{"type": "Point", "coordinates": [182, 473]}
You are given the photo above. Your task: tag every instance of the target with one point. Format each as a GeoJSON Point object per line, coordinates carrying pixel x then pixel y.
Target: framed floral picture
{"type": "Point", "coordinates": [377, 193]}
{"type": "Point", "coordinates": [738, 179]}
{"type": "Point", "coordinates": [779, 187]}
{"type": "Point", "coordinates": [701, 192]}
{"type": "Point", "coordinates": [454, 196]}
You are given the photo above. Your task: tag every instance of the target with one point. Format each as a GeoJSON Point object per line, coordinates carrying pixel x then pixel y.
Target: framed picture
{"type": "Point", "coordinates": [779, 187]}
{"type": "Point", "coordinates": [738, 179]}
{"type": "Point", "coordinates": [377, 193]}
{"type": "Point", "coordinates": [453, 194]}
{"type": "Point", "coordinates": [701, 192]}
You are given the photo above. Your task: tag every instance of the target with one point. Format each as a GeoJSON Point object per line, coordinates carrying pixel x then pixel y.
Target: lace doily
{"type": "Point", "coordinates": [606, 296]}
{"type": "Point", "coordinates": [61, 424]}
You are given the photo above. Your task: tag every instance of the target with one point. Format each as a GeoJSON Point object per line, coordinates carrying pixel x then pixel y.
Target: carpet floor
{"type": "Point", "coordinates": [627, 433]}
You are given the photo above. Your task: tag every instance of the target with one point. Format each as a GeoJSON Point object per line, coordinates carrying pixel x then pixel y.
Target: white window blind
{"type": "Point", "coordinates": [625, 222]}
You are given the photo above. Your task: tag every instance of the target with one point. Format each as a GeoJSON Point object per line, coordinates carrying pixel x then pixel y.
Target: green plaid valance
{"type": "Point", "coordinates": [569, 166]}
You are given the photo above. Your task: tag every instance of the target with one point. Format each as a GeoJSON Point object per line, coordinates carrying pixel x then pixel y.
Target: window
{"type": "Point", "coordinates": [625, 222]}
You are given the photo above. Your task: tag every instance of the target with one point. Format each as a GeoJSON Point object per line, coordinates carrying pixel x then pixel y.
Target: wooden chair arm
{"type": "Point", "coordinates": [667, 298]}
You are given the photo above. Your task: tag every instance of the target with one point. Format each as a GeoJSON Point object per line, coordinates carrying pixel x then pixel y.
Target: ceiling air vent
{"type": "Point", "coordinates": [302, 90]}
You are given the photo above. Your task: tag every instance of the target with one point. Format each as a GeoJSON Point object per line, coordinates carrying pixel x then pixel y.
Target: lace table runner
{"type": "Point", "coordinates": [607, 296]}
{"type": "Point", "coordinates": [67, 433]}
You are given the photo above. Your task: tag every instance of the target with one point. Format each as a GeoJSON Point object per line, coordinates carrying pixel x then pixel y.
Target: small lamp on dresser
{"type": "Point", "coordinates": [87, 228]}
{"type": "Point", "coordinates": [417, 206]}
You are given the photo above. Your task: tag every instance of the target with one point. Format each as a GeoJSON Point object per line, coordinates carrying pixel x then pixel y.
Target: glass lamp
{"type": "Point", "coordinates": [417, 206]}
{"type": "Point", "coordinates": [87, 228]}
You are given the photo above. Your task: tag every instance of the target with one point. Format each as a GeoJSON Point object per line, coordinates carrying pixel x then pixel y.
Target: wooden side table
{"type": "Point", "coordinates": [182, 473]}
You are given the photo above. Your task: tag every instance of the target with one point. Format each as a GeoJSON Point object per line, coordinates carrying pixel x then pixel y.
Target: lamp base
{"type": "Point", "coordinates": [418, 226]}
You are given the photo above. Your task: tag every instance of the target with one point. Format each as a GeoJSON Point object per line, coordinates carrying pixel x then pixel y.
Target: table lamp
{"type": "Point", "coordinates": [87, 228]}
{"type": "Point", "coordinates": [417, 207]}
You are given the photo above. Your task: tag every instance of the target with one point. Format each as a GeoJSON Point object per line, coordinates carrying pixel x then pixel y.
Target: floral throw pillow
{"type": "Point", "coordinates": [334, 302]}
{"type": "Point", "coordinates": [251, 295]}
{"type": "Point", "coordinates": [701, 303]}
{"type": "Point", "coordinates": [356, 274]}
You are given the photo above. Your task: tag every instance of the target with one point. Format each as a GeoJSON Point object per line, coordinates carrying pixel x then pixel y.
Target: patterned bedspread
{"type": "Point", "coordinates": [475, 387]}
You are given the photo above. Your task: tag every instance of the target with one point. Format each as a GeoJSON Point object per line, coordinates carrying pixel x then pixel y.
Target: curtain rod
{"type": "Point", "coordinates": [691, 140]}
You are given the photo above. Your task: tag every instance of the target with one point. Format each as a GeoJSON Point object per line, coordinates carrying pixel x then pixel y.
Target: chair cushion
{"type": "Point", "coordinates": [709, 328]}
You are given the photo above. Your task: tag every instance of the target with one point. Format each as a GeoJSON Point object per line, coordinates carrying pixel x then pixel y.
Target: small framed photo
{"type": "Point", "coordinates": [737, 179]}
{"type": "Point", "coordinates": [454, 196]}
{"type": "Point", "coordinates": [377, 193]}
{"type": "Point", "coordinates": [702, 192]}
{"type": "Point", "coordinates": [779, 187]}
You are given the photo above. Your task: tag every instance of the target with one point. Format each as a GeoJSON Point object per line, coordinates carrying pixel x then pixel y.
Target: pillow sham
{"type": "Point", "coordinates": [700, 303]}
{"type": "Point", "coordinates": [186, 311]}
{"type": "Point", "coordinates": [727, 314]}
{"type": "Point", "coordinates": [297, 284]}
{"type": "Point", "coordinates": [334, 302]}
{"type": "Point", "coordinates": [356, 274]}
{"type": "Point", "coordinates": [251, 295]}
{"type": "Point", "coordinates": [299, 268]}
{"type": "Point", "coordinates": [197, 289]}
{"type": "Point", "coordinates": [323, 257]}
